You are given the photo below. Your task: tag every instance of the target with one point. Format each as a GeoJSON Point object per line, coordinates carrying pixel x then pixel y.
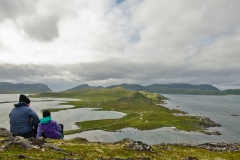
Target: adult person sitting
{"type": "Point", "coordinates": [23, 120]}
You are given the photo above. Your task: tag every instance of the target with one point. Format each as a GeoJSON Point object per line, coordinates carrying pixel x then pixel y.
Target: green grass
{"type": "Point", "coordinates": [140, 108]}
{"type": "Point", "coordinates": [89, 151]}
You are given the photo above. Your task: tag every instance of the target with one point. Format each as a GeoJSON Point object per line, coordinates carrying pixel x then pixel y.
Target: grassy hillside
{"type": "Point", "coordinates": [140, 108]}
{"type": "Point", "coordinates": [180, 88]}
{"type": "Point", "coordinates": [79, 149]}
{"type": "Point", "coordinates": [83, 86]}
{"type": "Point", "coordinates": [135, 87]}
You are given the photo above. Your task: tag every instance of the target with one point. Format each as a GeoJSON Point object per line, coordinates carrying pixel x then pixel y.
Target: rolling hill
{"type": "Point", "coordinates": [171, 88]}
{"type": "Point", "coordinates": [83, 86]}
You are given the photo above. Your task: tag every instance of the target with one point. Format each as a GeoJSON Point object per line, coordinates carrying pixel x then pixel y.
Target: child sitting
{"type": "Point", "coordinates": [49, 128]}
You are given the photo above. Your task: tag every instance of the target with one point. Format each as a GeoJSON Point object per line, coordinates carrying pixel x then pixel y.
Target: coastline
{"type": "Point", "coordinates": [140, 108]}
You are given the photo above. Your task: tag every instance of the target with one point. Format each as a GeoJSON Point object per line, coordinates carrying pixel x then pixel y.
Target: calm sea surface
{"type": "Point", "coordinates": [66, 117]}
{"type": "Point", "coordinates": [218, 108]}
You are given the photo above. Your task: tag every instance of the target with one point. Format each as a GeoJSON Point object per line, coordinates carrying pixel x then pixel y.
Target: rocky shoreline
{"type": "Point", "coordinates": [205, 123]}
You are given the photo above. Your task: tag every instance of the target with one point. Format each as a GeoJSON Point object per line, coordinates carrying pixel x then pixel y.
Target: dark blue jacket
{"type": "Point", "coordinates": [20, 119]}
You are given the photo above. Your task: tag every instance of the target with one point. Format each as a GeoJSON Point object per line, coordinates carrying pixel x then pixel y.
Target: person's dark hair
{"type": "Point", "coordinates": [24, 98]}
{"type": "Point", "coordinates": [46, 114]}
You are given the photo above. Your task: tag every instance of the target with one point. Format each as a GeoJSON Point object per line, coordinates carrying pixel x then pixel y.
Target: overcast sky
{"type": "Point", "coordinates": [65, 43]}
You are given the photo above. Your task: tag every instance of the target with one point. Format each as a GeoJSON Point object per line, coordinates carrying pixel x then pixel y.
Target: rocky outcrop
{"type": "Point", "coordinates": [38, 142]}
{"type": "Point", "coordinates": [210, 132]}
{"type": "Point", "coordinates": [219, 146]}
{"type": "Point", "coordinates": [5, 133]}
{"type": "Point", "coordinates": [135, 145]}
{"type": "Point", "coordinates": [140, 146]}
{"type": "Point", "coordinates": [213, 146]}
{"type": "Point", "coordinates": [19, 141]}
{"type": "Point", "coordinates": [206, 122]}
{"type": "Point", "coordinates": [27, 144]}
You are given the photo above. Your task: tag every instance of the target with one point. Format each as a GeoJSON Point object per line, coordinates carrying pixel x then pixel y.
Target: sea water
{"type": "Point", "coordinates": [220, 109]}
{"type": "Point", "coordinates": [224, 110]}
{"type": "Point", "coordinates": [66, 117]}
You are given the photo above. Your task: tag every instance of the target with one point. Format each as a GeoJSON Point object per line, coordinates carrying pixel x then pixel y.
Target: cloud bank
{"type": "Point", "coordinates": [68, 43]}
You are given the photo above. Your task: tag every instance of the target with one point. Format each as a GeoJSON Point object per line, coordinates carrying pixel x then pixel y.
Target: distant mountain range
{"type": "Point", "coordinates": [83, 86]}
{"type": "Point", "coordinates": [6, 88]}
{"type": "Point", "coordinates": [172, 88]}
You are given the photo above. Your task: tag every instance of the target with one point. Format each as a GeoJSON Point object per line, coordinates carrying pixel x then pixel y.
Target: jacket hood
{"type": "Point", "coordinates": [20, 104]}
{"type": "Point", "coordinates": [45, 120]}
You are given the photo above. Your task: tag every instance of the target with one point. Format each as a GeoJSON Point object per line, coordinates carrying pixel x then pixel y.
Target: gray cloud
{"type": "Point", "coordinates": [39, 24]}
{"type": "Point", "coordinates": [42, 28]}
{"type": "Point", "coordinates": [11, 9]}
{"type": "Point", "coordinates": [115, 72]}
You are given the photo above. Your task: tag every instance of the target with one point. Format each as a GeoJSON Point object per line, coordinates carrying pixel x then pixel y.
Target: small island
{"type": "Point", "coordinates": [140, 107]}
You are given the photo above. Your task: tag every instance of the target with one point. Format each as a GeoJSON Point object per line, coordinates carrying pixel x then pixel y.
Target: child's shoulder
{"type": "Point", "coordinates": [53, 121]}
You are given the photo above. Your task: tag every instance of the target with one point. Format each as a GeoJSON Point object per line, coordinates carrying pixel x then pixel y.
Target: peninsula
{"type": "Point", "coordinates": [143, 110]}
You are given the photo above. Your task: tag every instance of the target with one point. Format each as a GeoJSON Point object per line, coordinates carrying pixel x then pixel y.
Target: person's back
{"type": "Point", "coordinates": [23, 119]}
{"type": "Point", "coordinates": [49, 128]}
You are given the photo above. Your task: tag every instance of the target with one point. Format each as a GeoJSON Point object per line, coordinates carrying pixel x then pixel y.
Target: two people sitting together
{"type": "Point", "coordinates": [26, 123]}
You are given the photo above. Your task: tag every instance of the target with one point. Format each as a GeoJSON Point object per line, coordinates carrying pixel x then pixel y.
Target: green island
{"type": "Point", "coordinates": [140, 107]}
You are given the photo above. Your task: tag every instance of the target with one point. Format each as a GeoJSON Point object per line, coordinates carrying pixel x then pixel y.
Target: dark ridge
{"type": "Point", "coordinates": [6, 87]}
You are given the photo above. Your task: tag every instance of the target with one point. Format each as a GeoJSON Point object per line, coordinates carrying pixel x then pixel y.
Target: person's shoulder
{"type": "Point", "coordinates": [28, 109]}
{"type": "Point", "coordinates": [54, 121]}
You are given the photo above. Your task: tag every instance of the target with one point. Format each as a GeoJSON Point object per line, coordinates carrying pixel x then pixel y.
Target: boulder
{"type": "Point", "coordinates": [20, 141]}
{"type": "Point", "coordinates": [38, 142]}
{"type": "Point", "coordinates": [4, 132]}
{"type": "Point", "coordinates": [140, 146]}
{"type": "Point", "coordinates": [27, 144]}
{"type": "Point", "coordinates": [219, 146]}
